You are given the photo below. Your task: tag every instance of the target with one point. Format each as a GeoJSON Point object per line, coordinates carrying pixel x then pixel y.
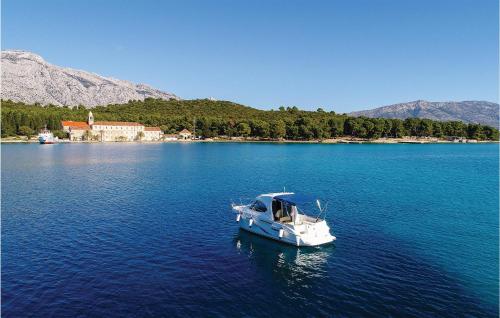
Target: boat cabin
{"type": "Point", "coordinates": [282, 208]}
{"type": "Point", "coordinates": [284, 211]}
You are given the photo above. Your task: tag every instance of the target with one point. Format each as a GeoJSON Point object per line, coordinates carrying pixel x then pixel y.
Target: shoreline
{"type": "Point", "coordinates": [284, 141]}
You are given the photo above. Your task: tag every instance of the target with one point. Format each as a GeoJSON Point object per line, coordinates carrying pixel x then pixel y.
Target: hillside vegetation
{"type": "Point", "coordinates": [223, 118]}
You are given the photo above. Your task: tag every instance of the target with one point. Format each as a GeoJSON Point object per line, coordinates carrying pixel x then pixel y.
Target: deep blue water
{"type": "Point", "coordinates": [146, 230]}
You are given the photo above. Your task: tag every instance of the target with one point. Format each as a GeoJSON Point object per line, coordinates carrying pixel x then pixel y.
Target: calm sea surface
{"type": "Point", "coordinates": [146, 230]}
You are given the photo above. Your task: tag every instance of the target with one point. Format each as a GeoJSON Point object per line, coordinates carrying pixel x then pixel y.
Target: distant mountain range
{"type": "Point", "coordinates": [481, 112]}
{"type": "Point", "coordinates": [28, 78]}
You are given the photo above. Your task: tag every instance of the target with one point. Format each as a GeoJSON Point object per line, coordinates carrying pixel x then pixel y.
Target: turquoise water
{"type": "Point", "coordinates": [146, 230]}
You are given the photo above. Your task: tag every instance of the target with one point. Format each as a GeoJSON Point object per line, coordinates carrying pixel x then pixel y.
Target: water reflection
{"type": "Point", "coordinates": [292, 264]}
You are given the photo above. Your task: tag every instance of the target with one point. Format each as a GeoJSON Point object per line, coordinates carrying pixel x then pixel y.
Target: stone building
{"type": "Point", "coordinates": [110, 130]}
{"type": "Point", "coordinates": [152, 133]}
{"type": "Point", "coordinates": [185, 134]}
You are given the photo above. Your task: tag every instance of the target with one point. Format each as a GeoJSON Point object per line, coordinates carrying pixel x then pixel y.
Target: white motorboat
{"type": "Point", "coordinates": [282, 216]}
{"type": "Point", "coordinates": [46, 137]}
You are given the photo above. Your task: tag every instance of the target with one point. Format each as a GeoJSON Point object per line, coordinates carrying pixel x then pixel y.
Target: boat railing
{"type": "Point", "coordinates": [241, 201]}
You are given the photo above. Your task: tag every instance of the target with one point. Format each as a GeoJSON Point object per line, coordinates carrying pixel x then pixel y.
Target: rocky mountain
{"type": "Point", "coordinates": [28, 78]}
{"type": "Point", "coordinates": [481, 112]}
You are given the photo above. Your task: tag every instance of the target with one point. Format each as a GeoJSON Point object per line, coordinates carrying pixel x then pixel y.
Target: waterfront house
{"type": "Point", "coordinates": [152, 133]}
{"type": "Point", "coordinates": [109, 130]}
{"type": "Point", "coordinates": [185, 134]}
{"type": "Point", "coordinates": [75, 129]}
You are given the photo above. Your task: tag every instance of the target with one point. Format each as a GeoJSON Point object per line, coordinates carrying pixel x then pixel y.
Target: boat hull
{"type": "Point", "coordinates": [43, 142]}
{"type": "Point", "coordinates": [46, 139]}
{"type": "Point", "coordinates": [272, 231]}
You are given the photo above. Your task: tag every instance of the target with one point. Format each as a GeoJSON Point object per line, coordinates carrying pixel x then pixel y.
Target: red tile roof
{"type": "Point", "coordinates": [116, 123]}
{"type": "Point", "coordinates": [185, 131]}
{"type": "Point", "coordinates": [75, 125]}
{"type": "Point", "coordinates": [152, 129]}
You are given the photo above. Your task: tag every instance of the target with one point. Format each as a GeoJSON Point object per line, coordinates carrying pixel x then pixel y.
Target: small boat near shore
{"type": "Point", "coordinates": [281, 216]}
{"type": "Point", "coordinates": [46, 137]}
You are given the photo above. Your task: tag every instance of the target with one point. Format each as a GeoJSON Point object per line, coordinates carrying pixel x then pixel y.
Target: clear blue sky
{"type": "Point", "coordinates": [340, 55]}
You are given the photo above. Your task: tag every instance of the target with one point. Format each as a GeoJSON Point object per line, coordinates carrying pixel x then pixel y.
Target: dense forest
{"type": "Point", "coordinates": [223, 118]}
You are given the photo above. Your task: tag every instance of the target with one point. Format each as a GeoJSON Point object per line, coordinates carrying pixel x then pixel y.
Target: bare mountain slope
{"type": "Point", "coordinates": [482, 112]}
{"type": "Point", "coordinates": [27, 78]}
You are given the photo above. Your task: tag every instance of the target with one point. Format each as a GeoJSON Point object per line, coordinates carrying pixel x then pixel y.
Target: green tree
{"type": "Point", "coordinates": [259, 128]}
{"type": "Point", "coordinates": [412, 126]}
{"type": "Point", "coordinates": [318, 132]}
{"type": "Point", "coordinates": [26, 131]}
{"type": "Point", "coordinates": [244, 129]}
{"type": "Point", "coordinates": [437, 130]}
{"type": "Point", "coordinates": [292, 131]}
{"type": "Point", "coordinates": [398, 128]}
{"type": "Point", "coordinates": [60, 134]}
{"type": "Point", "coordinates": [305, 126]}
{"type": "Point", "coordinates": [8, 124]}
{"type": "Point", "coordinates": [278, 129]}
{"type": "Point", "coordinates": [425, 127]}
{"type": "Point", "coordinates": [378, 128]}
{"type": "Point", "coordinates": [352, 126]}
{"type": "Point", "coordinates": [336, 126]}
{"type": "Point", "coordinates": [490, 133]}
{"type": "Point", "coordinates": [475, 131]}
{"type": "Point", "coordinates": [367, 129]}
{"type": "Point", "coordinates": [387, 128]}
{"type": "Point", "coordinates": [457, 128]}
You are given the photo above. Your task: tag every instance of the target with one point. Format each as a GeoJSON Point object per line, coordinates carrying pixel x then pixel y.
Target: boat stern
{"type": "Point", "coordinates": [315, 234]}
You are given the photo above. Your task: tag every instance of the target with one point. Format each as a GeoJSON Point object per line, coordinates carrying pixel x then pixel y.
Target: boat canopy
{"type": "Point", "coordinates": [295, 199]}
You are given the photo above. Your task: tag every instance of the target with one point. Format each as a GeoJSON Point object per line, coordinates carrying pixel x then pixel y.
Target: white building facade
{"type": "Point", "coordinates": [153, 133]}
{"type": "Point", "coordinates": [110, 130]}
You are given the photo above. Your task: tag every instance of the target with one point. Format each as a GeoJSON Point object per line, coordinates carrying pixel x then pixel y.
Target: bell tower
{"type": "Point", "coordinates": [90, 119]}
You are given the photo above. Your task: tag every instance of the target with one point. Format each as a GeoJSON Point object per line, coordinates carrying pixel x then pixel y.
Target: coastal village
{"type": "Point", "coordinates": [117, 131]}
